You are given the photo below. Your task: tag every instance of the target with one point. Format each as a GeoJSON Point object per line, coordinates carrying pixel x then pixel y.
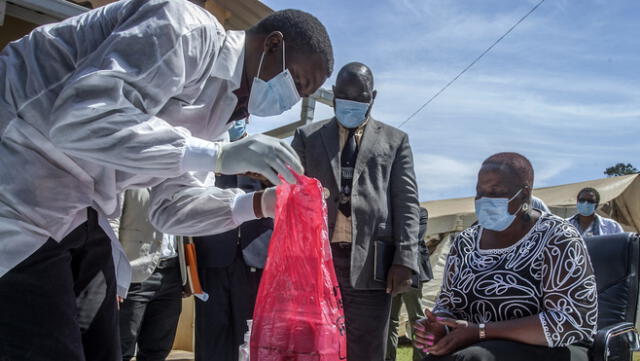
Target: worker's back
{"type": "Point", "coordinates": [76, 92]}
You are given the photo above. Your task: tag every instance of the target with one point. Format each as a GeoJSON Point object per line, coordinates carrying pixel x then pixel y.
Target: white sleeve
{"type": "Point", "coordinates": [190, 205]}
{"type": "Point", "coordinates": [105, 111]}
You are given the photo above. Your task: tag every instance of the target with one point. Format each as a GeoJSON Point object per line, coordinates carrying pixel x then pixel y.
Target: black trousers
{"type": "Point", "coordinates": [150, 313]}
{"type": "Point", "coordinates": [366, 312]}
{"type": "Point", "coordinates": [60, 303]}
{"type": "Point", "coordinates": [502, 350]}
{"type": "Point", "coordinates": [221, 322]}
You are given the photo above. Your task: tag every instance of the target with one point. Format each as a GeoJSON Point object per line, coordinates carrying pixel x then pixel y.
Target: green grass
{"type": "Point", "coordinates": [404, 353]}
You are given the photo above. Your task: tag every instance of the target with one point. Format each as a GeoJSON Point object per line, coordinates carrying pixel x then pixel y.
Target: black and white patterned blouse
{"type": "Point", "coordinates": [547, 273]}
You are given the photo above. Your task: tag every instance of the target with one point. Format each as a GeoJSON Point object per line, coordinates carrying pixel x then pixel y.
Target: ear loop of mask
{"type": "Point", "coordinates": [262, 58]}
{"type": "Point", "coordinates": [524, 207]}
{"type": "Point", "coordinates": [514, 197]}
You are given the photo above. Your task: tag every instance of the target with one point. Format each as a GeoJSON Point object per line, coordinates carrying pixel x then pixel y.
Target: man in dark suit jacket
{"type": "Point", "coordinates": [229, 266]}
{"type": "Point", "coordinates": [367, 169]}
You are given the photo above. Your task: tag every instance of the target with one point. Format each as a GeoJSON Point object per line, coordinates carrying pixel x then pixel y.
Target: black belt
{"type": "Point", "coordinates": [341, 245]}
{"type": "Point", "coordinates": [167, 262]}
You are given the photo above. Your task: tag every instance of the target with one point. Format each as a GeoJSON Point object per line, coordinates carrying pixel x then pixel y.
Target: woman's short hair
{"type": "Point", "coordinates": [514, 163]}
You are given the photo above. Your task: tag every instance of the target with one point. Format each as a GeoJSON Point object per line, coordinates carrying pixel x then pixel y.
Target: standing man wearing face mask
{"type": "Point", "coordinates": [230, 266]}
{"type": "Point", "coordinates": [367, 169]}
{"type": "Point", "coordinates": [586, 221]}
{"type": "Point", "coordinates": [130, 95]}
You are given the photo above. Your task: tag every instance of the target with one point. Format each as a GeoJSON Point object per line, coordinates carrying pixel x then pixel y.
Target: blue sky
{"type": "Point", "coordinates": [563, 88]}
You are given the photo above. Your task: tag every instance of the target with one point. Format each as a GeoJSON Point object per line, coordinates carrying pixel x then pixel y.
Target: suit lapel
{"type": "Point", "coordinates": [367, 144]}
{"type": "Point", "coordinates": [330, 139]}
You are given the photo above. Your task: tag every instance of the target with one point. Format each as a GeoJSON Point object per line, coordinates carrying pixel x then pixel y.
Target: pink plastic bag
{"type": "Point", "coordinates": [298, 314]}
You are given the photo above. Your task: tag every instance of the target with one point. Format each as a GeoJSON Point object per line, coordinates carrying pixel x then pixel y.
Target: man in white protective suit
{"type": "Point", "coordinates": [126, 96]}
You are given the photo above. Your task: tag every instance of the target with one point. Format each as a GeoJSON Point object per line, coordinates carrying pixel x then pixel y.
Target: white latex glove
{"type": "Point", "coordinates": [268, 203]}
{"type": "Point", "coordinates": [261, 154]}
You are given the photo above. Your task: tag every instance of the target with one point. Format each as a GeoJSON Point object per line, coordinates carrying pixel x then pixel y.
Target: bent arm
{"type": "Point", "coordinates": [526, 330]}
{"type": "Point", "coordinates": [569, 296]}
{"type": "Point", "coordinates": [191, 205]}
{"type": "Point", "coordinates": [105, 113]}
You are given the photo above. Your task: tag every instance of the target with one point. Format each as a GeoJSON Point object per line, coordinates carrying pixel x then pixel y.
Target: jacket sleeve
{"type": "Point", "coordinates": [191, 205]}
{"type": "Point", "coordinates": [105, 110]}
{"type": "Point", "coordinates": [298, 145]}
{"type": "Point", "coordinates": [405, 207]}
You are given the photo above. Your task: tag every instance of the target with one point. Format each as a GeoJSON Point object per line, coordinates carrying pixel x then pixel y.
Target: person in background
{"type": "Point", "coordinates": [519, 285]}
{"type": "Point", "coordinates": [150, 312]}
{"type": "Point", "coordinates": [539, 204]}
{"type": "Point", "coordinates": [367, 168]}
{"type": "Point", "coordinates": [586, 221]}
{"type": "Point", "coordinates": [412, 299]}
{"type": "Point", "coordinates": [229, 266]}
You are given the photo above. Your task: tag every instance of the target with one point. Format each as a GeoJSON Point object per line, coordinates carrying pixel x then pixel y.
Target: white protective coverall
{"type": "Point", "coordinates": [89, 111]}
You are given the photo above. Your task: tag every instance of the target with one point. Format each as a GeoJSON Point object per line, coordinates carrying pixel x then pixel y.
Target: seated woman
{"type": "Point", "coordinates": [518, 285]}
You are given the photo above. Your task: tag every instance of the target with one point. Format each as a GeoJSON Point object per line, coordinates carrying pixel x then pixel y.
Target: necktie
{"type": "Point", "coordinates": [347, 164]}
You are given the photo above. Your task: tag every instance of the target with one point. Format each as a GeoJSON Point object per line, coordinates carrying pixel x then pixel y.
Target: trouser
{"type": "Point", "coordinates": [366, 312]}
{"type": "Point", "coordinates": [60, 302]}
{"type": "Point", "coordinates": [502, 350]}
{"type": "Point", "coordinates": [149, 315]}
{"type": "Point", "coordinates": [221, 322]}
{"type": "Point", "coordinates": [413, 302]}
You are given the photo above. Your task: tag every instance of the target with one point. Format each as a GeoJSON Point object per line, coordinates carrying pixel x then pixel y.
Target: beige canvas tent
{"type": "Point", "coordinates": [620, 200]}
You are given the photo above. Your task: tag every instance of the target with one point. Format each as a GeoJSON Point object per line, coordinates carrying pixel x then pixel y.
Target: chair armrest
{"type": "Point", "coordinates": [615, 342]}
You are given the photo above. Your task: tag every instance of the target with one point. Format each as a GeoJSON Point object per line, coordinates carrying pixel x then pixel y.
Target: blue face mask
{"type": "Point", "coordinates": [237, 130]}
{"type": "Point", "coordinates": [493, 213]}
{"type": "Point", "coordinates": [351, 114]}
{"type": "Point", "coordinates": [273, 97]}
{"type": "Point", "coordinates": [585, 208]}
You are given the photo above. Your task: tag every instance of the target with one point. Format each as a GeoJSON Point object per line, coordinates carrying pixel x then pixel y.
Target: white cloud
{"type": "Point", "coordinates": [437, 175]}
{"type": "Point", "coordinates": [546, 170]}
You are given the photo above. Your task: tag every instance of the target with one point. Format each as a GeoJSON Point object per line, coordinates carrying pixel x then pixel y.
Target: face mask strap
{"type": "Point", "coordinates": [283, 56]}
{"type": "Point", "coordinates": [262, 59]}
{"type": "Point", "coordinates": [260, 65]}
{"type": "Point", "coordinates": [515, 195]}
{"type": "Point", "coordinates": [521, 208]}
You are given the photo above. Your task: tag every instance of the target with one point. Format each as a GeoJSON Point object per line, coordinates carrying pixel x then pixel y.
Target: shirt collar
{"type": "Point", "coordinates": [230, 61]}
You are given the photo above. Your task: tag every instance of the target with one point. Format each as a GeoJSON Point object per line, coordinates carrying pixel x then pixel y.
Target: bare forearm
{"type": "Point", "coordinates": [526, 330]}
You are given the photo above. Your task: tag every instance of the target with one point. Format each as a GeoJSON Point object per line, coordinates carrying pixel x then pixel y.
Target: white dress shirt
{"type": "Point", "coordinates": [125, 96]}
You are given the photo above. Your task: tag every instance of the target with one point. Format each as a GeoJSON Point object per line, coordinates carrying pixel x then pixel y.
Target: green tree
{"type": "Point", "coordinates": [620, 169]}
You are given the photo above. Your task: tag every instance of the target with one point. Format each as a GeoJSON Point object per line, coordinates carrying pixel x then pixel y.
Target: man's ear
{"type": "Point", "coordinates": [273, 42]}
{"type": "Point", "coordinates": [373, 98]}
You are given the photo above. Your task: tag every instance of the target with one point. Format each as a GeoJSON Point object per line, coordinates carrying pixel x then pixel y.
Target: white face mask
{"type": "Point", "coordinates": [493, 213]}
{"type": "Point", "coordinates": [273, 97]}
{"type": "Point", "coordinates": [351, 114]}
